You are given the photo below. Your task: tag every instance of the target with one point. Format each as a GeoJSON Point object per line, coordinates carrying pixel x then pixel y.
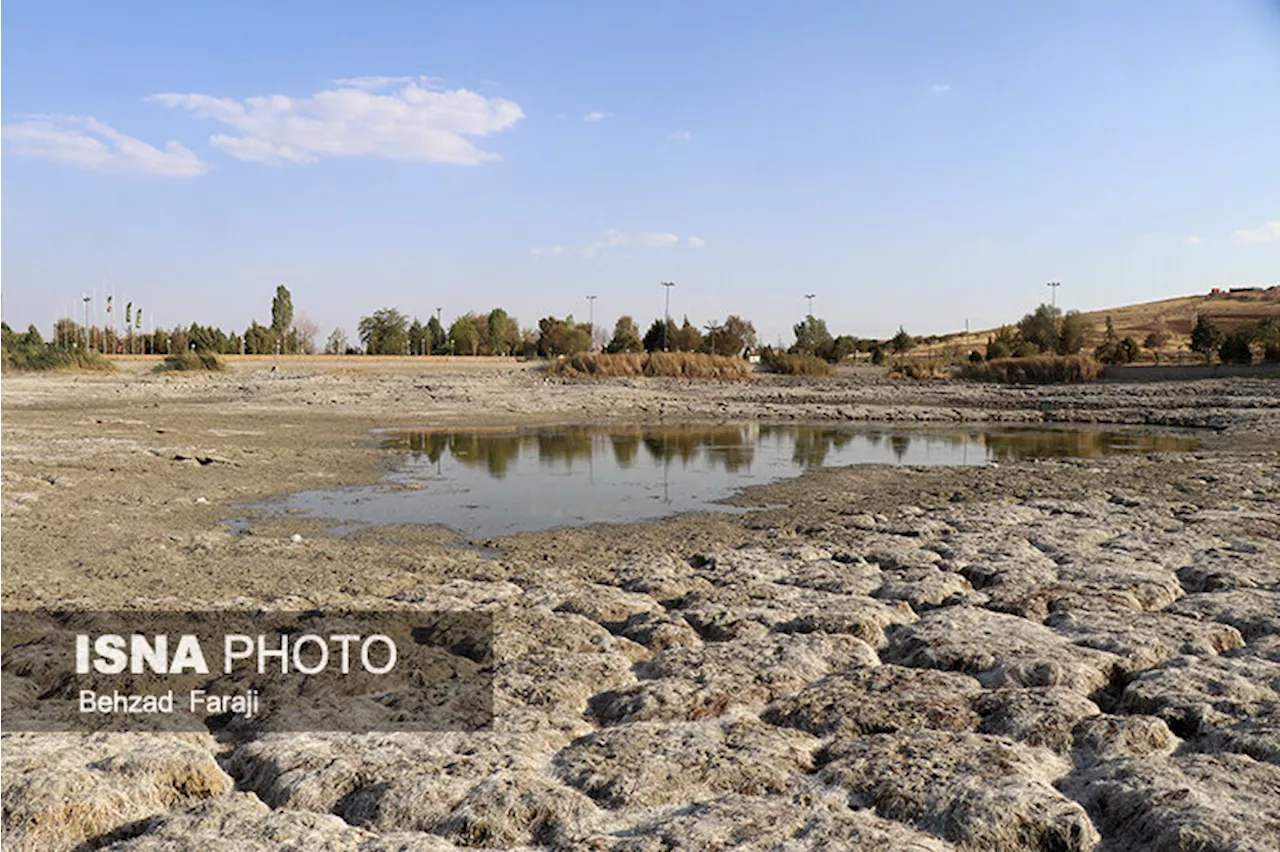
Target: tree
{"type": "Point", "coordinates": [739, 335]}
{"type": "Point", "coordinates": [656, 338]}
{"type": "Point", "coordinates": [464, 334]}
{"type": "Point", "coordinates": [258, 340]}
{"type": "Point", "coordinates": [1159, 336]}
{"type": "Point", "coordinates": [337, 342]}
{"type": "Point", "coordinates": [437, 339]}
{"type": "Point", "coordinates": [626, 337]}
{"type": "Point", "coordinates": [1041, 328]}
{"type": "Point", "coordinates": [687, 338]}
{"type": "Point", "coordinates": [1205, 337]}
{"type": "Point", "coordinates": [304, 335]}
{"type": "Point", "coordinates": [384, 333]}
{"type": "Point", "coordinates": [1237, 347]}
{"type": "Point", "coordinates": [33, 336]}
{"type": "Point", "coordinates": [901, 343]}
{"type": "Point", "coordinates": [281, 312]}
{"type": "Point", "coordinates": [1071, 333]}
{"type": "Point", "coordinates": [1002, 344]}
{"type": "Point", "coordinates": [812, 336]}
{"type": "Point", "coordinates": [498, 322]}
{"type": "Point", "coordinates": [562, 336]}
{"type": "Point", "coordinates": [842, 347]}
{"type": "Point", "coordinates": [417, 338]}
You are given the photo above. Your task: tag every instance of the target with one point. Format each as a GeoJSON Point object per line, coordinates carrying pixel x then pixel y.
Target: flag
{"type": "Point", "coordinates": [108, 304]}
{"type": "Point", "coordinates": [128, 313]}
{"type": "Point", "coordinates": [139, 318]}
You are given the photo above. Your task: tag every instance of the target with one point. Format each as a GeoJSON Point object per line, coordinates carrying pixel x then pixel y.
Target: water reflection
{"type": "Point", "coordinates": [490, 482]}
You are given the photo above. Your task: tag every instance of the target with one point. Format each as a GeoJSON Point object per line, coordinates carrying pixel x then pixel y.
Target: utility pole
{"type": "Point", "coordinates": [439, 322]}
{"type": "Point", "coordinates": [591, 320]}
{"type": "Point", "coordinates": [810, 297]}
{"type": "Point", "coordinates": [666, 314]}
{"type": "Point", "coordinates": [1053, 287]}
{"type": "Point", "coordinates": [87, 337]}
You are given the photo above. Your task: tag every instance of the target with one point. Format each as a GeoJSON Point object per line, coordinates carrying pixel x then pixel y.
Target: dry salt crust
{"type": "Point", "coordinates": [1055, 655]}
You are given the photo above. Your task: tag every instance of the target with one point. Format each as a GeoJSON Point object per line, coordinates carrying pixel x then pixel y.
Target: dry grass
{"type": "Point", "coordinates": [798, 365]}
{"type": "Point", "coordinates": [192, 361]}
{"type": "Point", "coordinates": [1042, 370]}
{"type": "Point", "coordinates": [684, 365]}
{"type": "Point", "coordinates": [925, 369]}
{"type": "Point", "coordinates": [51, 359]}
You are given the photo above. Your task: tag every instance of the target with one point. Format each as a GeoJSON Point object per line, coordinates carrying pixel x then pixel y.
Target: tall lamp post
{"type": "Point", "coordinates": [88, 337]}
{"type": "Point", "coordinates": [1053, 287]}
{"type": "Point", "coordinates": [810, 297]}
{"type": "Point", "coordinates": [591, 320]}
{"type": "Point", "coordinates": [666, 314]}
{"type": "Point", "coordinates": [438, 325]}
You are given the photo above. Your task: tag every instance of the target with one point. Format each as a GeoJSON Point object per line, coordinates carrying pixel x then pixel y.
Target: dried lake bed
{"type": "Point", "coordinates": [1060, 652]}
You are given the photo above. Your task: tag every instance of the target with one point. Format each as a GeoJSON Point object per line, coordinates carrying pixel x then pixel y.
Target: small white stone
{"type": "Point", "coordinates": [295, 538]}
{"type": "Point", "coordinates": [202, 500]}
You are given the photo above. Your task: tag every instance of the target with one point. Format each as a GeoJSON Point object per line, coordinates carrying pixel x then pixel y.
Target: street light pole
{"type": "Point", "coordinates": [438, 323]}
{"type": "Point", "coordinates": [1053, 287]}
{"type": "Point", "coordinates": [666, 315]}
{"type": "Point", "coordinates": [591, 320]}
{"type": "Point", "coordinates": [88, 338]}
{"type": "Point", "coordinates": [810, 297]}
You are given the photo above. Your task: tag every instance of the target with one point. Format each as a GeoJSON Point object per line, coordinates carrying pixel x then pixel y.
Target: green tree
{"type": "Point", "coordinates": [901, 343]}
{"type": "Point", "coordinates": [33, 337]}
{"type": "Point", "coordinates": [626, 337]}
{"type": "Point", "coordinates": [1237, 347]}
{"type": "Point", "coordinates": [1002, 344]}
{"type": "Point", "coordinates": [1072, 332]}
{"type": "Point", "coordinates": [1205, 337]}
{"type": "Point", "coordinates": [281, 312]}
{"type": "Point", "coordinates": [562, 336]}
{"type": "Point", "coordinates": [464, 334]}
{"type": "Point", "coordinates": [337, 343]}
{"type": "Point", "coordinates": [498, 323]}
{"type": "Point", "coordinates": [1041, 328]}
{"type": "Point", "coordinates": [687, 338]}
{"type": "Point", "coordinates": [436, 337]}
{"type": "Point", "coordinates": [656, 339]}
{"type": "Point", "coordinates": [812, 336]}
{"type": "Point", "coordinates": [258, 340]}
{"type": "Point", "coordinates": [384, 333]}
{"type": "Point", "coordinates": [417, 338]}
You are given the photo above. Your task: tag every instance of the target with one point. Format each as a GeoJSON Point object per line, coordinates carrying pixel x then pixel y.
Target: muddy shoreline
{"type": "Point", "coordinates": [848, 662]}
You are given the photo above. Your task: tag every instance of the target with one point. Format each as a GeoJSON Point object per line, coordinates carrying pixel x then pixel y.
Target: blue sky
{"type": "Point", "coordinates": [916, 163]}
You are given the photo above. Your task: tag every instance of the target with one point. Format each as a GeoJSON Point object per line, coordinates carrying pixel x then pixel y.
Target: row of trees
{"type": "Point", "coordinates": [390, 332]}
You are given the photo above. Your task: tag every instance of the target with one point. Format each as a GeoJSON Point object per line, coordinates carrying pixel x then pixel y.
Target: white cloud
{"type": "Point", "coordinates": [697, 242]}
{"type": "Point", "coordinates": [596, 116]}
{"type": "Point", "coordinates": [614, 239]}
{"type": "Point", "coordinates": [1193, 241]}
{"type": "Point", "coordinates": [680, 136]}
{"type": "Point", "coordinates": [394, 118]}
{"type": "Point", "coordinates": [940, 88]}
{"type": "Point", "coordinates": [92, 144]}
{"type": "Point", "coordinates": [1268, 232]}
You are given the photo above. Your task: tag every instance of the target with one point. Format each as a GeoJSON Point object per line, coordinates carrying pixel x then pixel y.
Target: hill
{"type": "Point", "coordinates": [1226, 309]}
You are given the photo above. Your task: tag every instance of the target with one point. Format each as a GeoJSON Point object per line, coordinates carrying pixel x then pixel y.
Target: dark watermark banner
{"type": "Point", "coordinates": [247, 672]}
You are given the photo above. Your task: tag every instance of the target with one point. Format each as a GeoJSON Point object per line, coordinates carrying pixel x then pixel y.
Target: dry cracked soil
{"type": "Point", "coordinates": [1055, 654]}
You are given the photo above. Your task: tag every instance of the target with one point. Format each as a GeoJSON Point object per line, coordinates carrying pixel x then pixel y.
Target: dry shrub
{"type": "Point", "coordinates": [49, 358]}
{"type": "Point", "coordinates": [191, 361]}
{"type": "Point", "coordinates": [684, 365]}
{"type": "Point", "coordinates": [1040, 370]}
{"type": "Point", "coordinates": [797, 365]}
{"type": "Point", "coordinates": [922, 370]}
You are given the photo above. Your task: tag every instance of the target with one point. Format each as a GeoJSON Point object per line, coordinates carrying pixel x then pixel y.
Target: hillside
{"type": "Point", "coordinates": [1227, 310]}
